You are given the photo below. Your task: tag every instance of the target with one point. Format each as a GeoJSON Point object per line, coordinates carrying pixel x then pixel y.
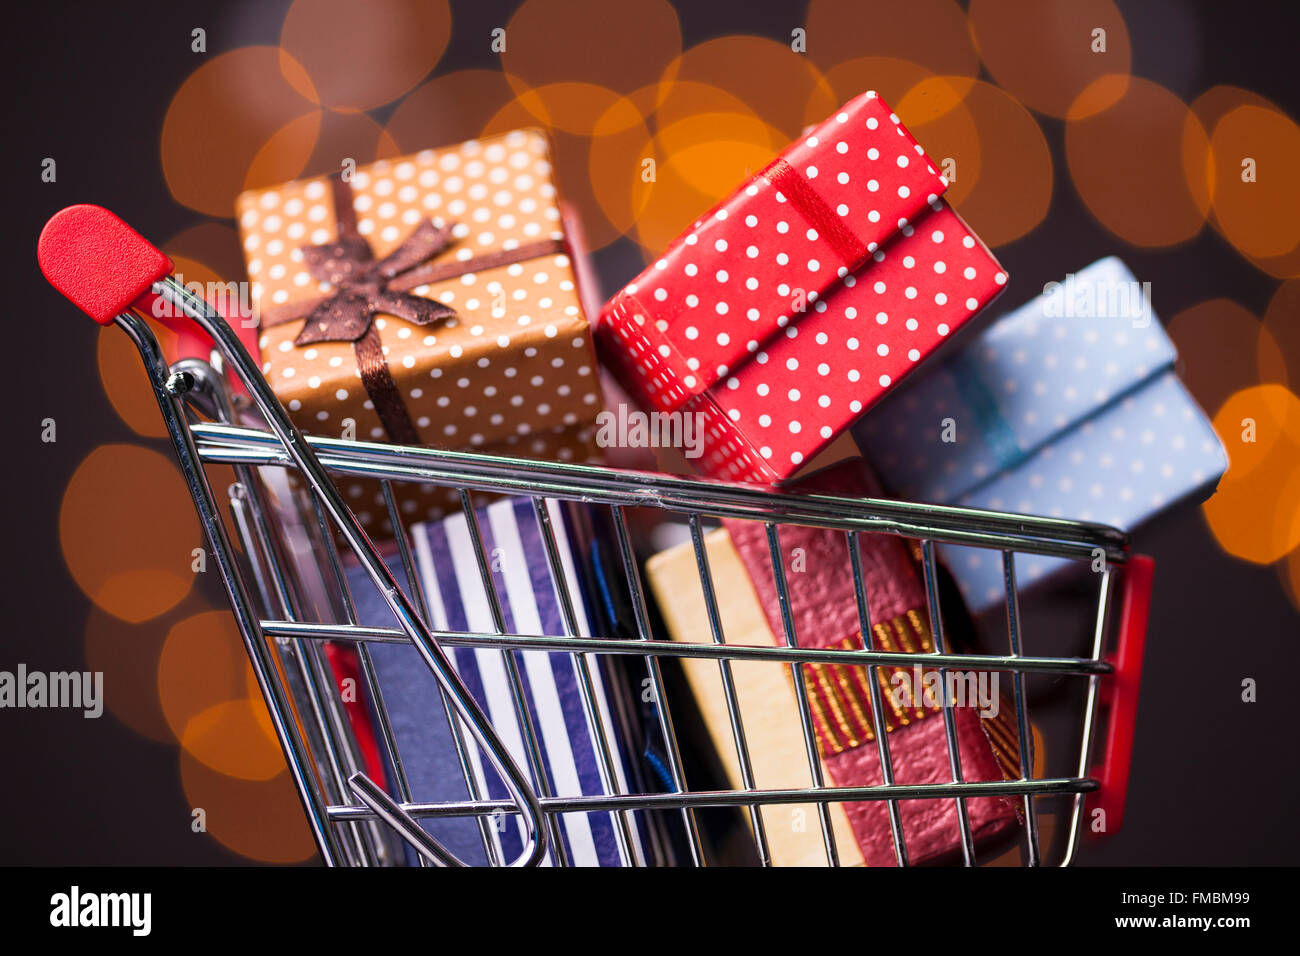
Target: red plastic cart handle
{"type": "Point", "coordinates": [100, 263]}
{"type": "Point", "coordinates": [105, 267]}
{"type": "Point", "coordinates": [1120, 692]}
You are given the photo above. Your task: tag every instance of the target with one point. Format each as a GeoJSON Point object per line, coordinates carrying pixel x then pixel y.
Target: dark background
{"type": "Point", "coordinates": [1214, 780]}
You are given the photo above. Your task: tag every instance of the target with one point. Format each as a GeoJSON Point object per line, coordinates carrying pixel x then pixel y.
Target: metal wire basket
{"type": "Point", "coordinates": [354, 819]}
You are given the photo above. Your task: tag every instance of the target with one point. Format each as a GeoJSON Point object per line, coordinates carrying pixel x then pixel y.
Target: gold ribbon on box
{"type": "Point", "coordinates": [839, 696]}
{"type": "Point", "coordinates": [362, 287]}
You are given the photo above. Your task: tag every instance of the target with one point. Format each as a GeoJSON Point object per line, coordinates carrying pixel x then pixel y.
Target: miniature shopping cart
{"type": "Point", "coordinates": [115, 276]}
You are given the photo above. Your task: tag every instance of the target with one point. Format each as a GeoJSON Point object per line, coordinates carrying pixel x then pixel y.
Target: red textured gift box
{"type": "Point", "coordinates": [790, 308]}
{"type": "Point", "coordinates": [823, 607]}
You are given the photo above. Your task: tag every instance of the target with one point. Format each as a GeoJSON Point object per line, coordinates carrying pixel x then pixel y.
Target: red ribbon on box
{"type": "Point", "coordinates": [795, 304]}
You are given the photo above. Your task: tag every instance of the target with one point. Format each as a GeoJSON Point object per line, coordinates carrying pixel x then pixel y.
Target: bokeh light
{"type": "Point", "coordinates": [318, 145]}
{"type": "Point", "coordinates": [930, 33]}
{"type": "Point", "coordinates": [552, 44]}
{"type": "Point", "coordinates": [127, 654]}
{"type": "Point", "coordinates": [784, 87]}
{"type": "Point", "coordinates": [571, 158]}
{"type": "Point", "coordinates": [1289, 572]}
{"type": "Point", "coordinates": [701, 160]}
{"type": "Point", "coordinates": [1250, 213]}
{"type": "Point", "coordinates": [127, 528]}
{"type": "Point", "coordinates": [258, 819]}
{"type": "Point", "coordinates": [579, 107]}
{"type": "Point", "coordinates": [1123, 159]}
{"type": "Point", "coordinates": [1042, 51]}
{"type": "Point", "coordinates": [1220, 345]}
{"type": "Point", "coordinates": [1282, 320]}
{"type": "Point", "coordinates": [1255, 514]}
{"type": "Point", "coordinates": [125, 381]}
{"type": "Point", "coordinates": [231, 737]}
{"type": "Point", "coordinates": [691, 147]}
{"type": "Point", "coordinates": [993, 146]}
{"type": "Point", "coordinates": [619, 145]}
{"type": "Point", "coordinates": [222, 116]}
{"type": "Point", "coordinates": [448, 109]}
{"type": "Point", "coordinates": [1210, 107]}
{"type": "Point", "coordinates": [212, 247]}
{"type": "Point", "coordinates": [360, 56]}
{"type": "Point", "coordinates": [891, 77]}
{"type": "Point", "coordinates": [934, 111]}
{"type": "Point", "coordinates": [203, 686]}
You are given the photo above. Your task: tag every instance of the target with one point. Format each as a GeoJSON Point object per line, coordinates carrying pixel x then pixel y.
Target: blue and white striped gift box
{"type": "Point", "coordinates": [457, 601]}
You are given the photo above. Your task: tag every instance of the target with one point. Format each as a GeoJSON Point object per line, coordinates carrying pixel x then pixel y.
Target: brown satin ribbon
{"type": "Point", "coordinates": [364, 287]}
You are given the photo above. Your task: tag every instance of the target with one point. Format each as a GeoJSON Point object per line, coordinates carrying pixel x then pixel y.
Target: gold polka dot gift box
{"type": "Point", "coordinates": [429, 299]}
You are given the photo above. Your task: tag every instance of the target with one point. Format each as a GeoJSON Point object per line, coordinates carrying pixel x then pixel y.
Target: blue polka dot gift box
{"type": "Point", "coordinates": [1067, 407]}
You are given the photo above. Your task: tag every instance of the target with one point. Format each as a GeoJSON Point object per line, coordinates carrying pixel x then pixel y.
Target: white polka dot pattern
{"type": "Point", "coordinates": [742, 271]}
{"type": "Point", "coordinates": [518, 357]}
{"type": "Point", "coordinates": [1136, 457]}
{"type": "Point", "coordinates": [1034, 373]}
{"type": "Point", "coordinates": [797, 391]}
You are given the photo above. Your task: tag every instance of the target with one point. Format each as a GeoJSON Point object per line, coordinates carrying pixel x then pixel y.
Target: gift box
{"type": "Point", "coordinates": [796, 303]}
{"type": "Point", "coordinates": [824, 609]}
{"type": "Point", "coordinates": [453, 588]}
{"type": "Point", "coordinates": [1067, 407]}
{"type": "Point", "coordinates": [429, 299]}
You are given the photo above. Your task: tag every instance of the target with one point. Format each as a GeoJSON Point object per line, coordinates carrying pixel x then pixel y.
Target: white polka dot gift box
{"type": "Point", "coordinates": [429, 299]}
{"type": "Point", "coordinates": [1067, 407]}
{"type": "Point", "coordinates": [791, 307]}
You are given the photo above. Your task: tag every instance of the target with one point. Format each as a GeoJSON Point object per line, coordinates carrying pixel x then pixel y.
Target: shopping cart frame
{"type": "Point", "coordinates": [206, 429]}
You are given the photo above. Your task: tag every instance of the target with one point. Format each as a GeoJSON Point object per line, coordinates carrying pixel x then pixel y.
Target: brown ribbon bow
{"type": "Point", "coordinates": [363, 287]}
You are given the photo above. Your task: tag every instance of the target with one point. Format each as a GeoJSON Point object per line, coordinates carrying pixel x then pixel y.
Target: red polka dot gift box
{"type": "Point", "coordinates": [790, 308]}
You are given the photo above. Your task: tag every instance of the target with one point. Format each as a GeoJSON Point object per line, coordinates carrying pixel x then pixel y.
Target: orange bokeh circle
{"type": "Point", "coordinates": [578, 108]}
{"type": "Point", "coordinates": [620, 153]}
{"type": "Point", "coordinates": [259, 819]}
{"type": "Point", "coordinates": [1252, 214]}
{"type": "Point", "coordinates": [935, 112]}
{"type": "Point", "coordinates": [125, 381]}
{"type": "Point", "coordinates": [1001, 159]}
{"type": "Point", "coordinates": [890, 77]}
{"type": "Point", "coordinates": [615, 166]}
{"type": "Point", "coordinates": [931, 33]}
{"type": "Point", "coordinates": [1211, 107]}
{"type": "Point", "coordinates": [784, 87]}
{"type": "Point", "coordinates": [127, 528]}
{"type": "Point", "coordinates": [1129, 188]}
{"type": "Point", "coordinates": [232, 738]}
{"type": "Point", "coordinates": [127, 654]}
{"type": "Point", "coordinates": [1220, 348]}
{"type": "Point", "coordinates": [363, 56]}
{"type": "Point", "coordinates": [448, 109]}
{"type": "Point", "coordinates": [1289, 571]}
{"type": "Point", "coordinates": [220, 118]}
{"type": "Point", "coordinates": [1282, 320]}
{"type": "Point", "coordinates": [700, 161]}
{"type": "Point", "coordinates": [317, 145]}
{"type": "Point", "coordinates": [203, 686]}
{"type": "Point", "coordinates": [1042, 51]}
{"type": "Point", "coordinates": [618, 46]}
{"type": "Point", "coordinates": [212, 247]}
{"type": "Point", "coordinates": [1255, 514]}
